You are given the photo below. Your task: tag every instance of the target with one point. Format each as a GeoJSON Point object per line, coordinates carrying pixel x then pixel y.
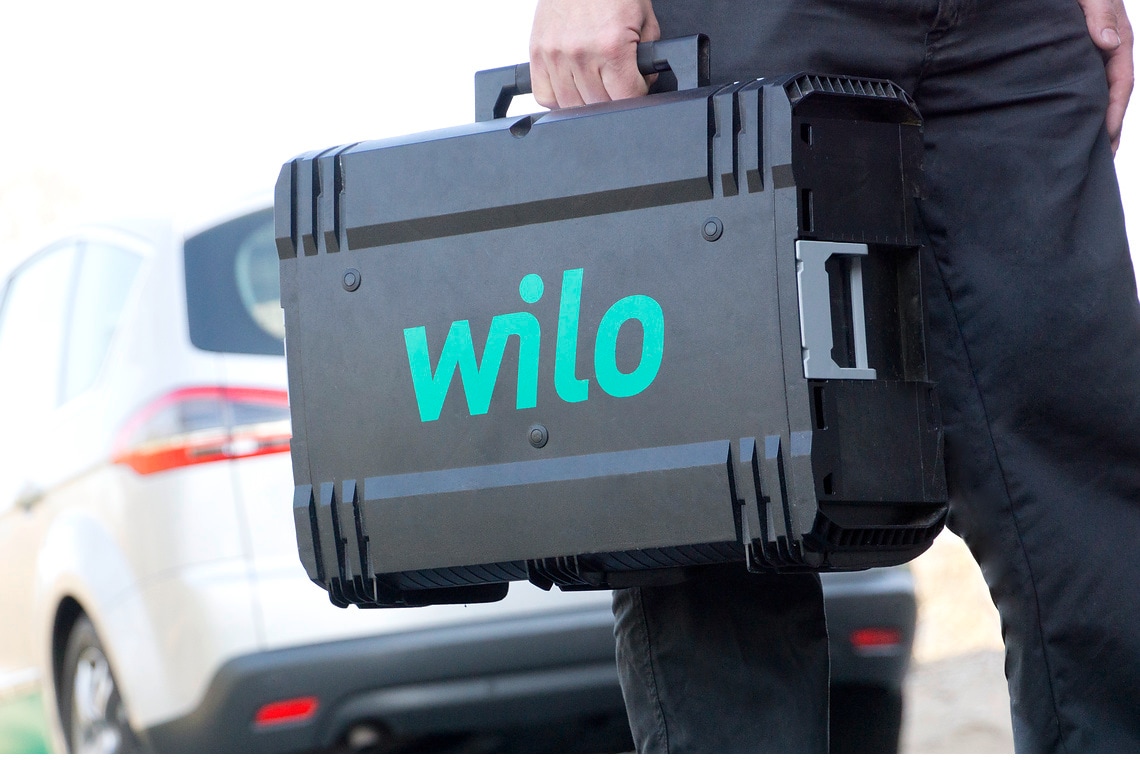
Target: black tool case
{"type": "Point", "coordinates": [595, 347]}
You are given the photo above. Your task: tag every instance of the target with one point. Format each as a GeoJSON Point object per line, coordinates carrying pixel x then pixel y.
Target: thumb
{"type": "Point", "coordinates": [1103, 20]}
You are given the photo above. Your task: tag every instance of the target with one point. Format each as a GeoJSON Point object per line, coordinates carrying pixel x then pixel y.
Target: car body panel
{"type": "Point", "coordinates": [448, 678]}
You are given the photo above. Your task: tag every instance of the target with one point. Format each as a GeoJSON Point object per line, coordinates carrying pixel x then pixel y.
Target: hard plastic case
{"type": "Point", "coordinates": [595, 347]}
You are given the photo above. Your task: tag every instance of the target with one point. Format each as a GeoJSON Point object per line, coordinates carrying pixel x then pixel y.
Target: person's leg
{"type": "Point", "coordinates": [1035, 343]}
{"type": "Point", "coordinates": [729, 661]}
{"type": "Point", "coordinates": [1035, 326]}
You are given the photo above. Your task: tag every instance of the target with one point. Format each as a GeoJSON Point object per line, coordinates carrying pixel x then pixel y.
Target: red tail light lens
{"type": "Point", "coordinates": [869, 640]}
{"type": "Point", "coordinates": [197, 425]}
{"type": "Point", "coordinates": [286, 711]}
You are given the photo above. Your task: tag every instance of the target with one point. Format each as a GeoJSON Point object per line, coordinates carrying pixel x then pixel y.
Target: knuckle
{"type": "Point", "coordinates": [578, 52]}
{"type": "Point", "coordinates": [614, 48]}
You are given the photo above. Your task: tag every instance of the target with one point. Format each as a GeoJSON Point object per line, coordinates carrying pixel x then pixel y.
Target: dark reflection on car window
{"type": "Point", "coordinates": [257, 275]}
{"type": "Point", "coordinates": [232, 290]}
{"type": "Point", "coordinates": [106, 274]}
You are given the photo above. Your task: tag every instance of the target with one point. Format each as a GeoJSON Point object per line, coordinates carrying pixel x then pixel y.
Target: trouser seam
{"type": "Point", "coordinates": [1009, 504]}
{"type": "Point", "coordinates": [651, 674]}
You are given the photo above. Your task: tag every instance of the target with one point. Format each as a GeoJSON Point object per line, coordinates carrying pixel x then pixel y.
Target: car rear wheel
{"type": "Point", "coordinates": [93, 715]}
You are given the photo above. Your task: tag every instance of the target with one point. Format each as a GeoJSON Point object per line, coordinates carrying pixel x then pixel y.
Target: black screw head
{"type": "Point", "coordinates": [538, 436]}
{"type": "Point", "coordinates": [351, 279]}
{"type": "Point", "coordinates": [712, 229]}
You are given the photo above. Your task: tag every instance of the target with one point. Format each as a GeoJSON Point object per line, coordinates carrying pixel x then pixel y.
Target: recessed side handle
{"type": "Point", "coordinates": [816, 319]}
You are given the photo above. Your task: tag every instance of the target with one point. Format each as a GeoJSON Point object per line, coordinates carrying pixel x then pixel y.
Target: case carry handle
{"type": "Point", "coordinates": [686, 57]}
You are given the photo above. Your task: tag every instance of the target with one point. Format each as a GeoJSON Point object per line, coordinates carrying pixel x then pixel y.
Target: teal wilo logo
{"type": "Point", "coordinates": [478, 377]}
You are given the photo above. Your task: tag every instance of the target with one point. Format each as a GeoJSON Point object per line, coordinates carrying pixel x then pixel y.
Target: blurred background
{"type": "Point", "coordinates": [136, 108]}
{"type": "Point", "coordinates": [132, 107]}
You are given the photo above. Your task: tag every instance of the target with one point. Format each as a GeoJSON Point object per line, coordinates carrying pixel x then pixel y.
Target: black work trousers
{"type": "Point", "coordinates": [1034, 343]}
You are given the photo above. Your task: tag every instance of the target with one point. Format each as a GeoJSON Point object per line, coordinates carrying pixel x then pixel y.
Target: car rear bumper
{"type": "Point", "coordinates": [489, 675]}
{"type": "Point", "coordinates": [879, 600]}
{"type": "Point", "coordinates": [482, 676]}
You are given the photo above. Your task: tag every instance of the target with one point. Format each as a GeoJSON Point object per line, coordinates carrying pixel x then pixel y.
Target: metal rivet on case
{"type": "Point", "coordinates": [712, 229]}
{"type": "Point", "coordinates": [351, 279]}
{"type": "Point", "coordinates": [538, 436]}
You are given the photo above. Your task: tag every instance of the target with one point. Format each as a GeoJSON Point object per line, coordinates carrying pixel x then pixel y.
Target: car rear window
{"type": "Point", "coordinates": [232, 290]}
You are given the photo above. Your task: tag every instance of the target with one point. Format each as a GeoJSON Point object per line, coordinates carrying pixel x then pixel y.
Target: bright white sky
{"type": "Point", "coordinates": [129, 107]}
{"type": "Point", "coordinates": [140, 106]}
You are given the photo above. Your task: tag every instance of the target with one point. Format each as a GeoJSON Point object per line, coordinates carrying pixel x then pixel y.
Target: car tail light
{"type": "Point", "coordinates": [872, 640]}
{"type": "Point", "coordinates": [286, 711]}
{"type": "Point", "coordinates": [196, 425]}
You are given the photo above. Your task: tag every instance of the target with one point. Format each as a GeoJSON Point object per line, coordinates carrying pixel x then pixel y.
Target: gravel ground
{"type": "Point", "coordinates": [959, 704]}
{"type": "Point", "coordinates": [955, 694]}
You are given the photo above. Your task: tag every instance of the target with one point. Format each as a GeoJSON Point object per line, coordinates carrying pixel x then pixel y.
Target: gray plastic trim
{"type": "Point", "coordinates": [813, 284]}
